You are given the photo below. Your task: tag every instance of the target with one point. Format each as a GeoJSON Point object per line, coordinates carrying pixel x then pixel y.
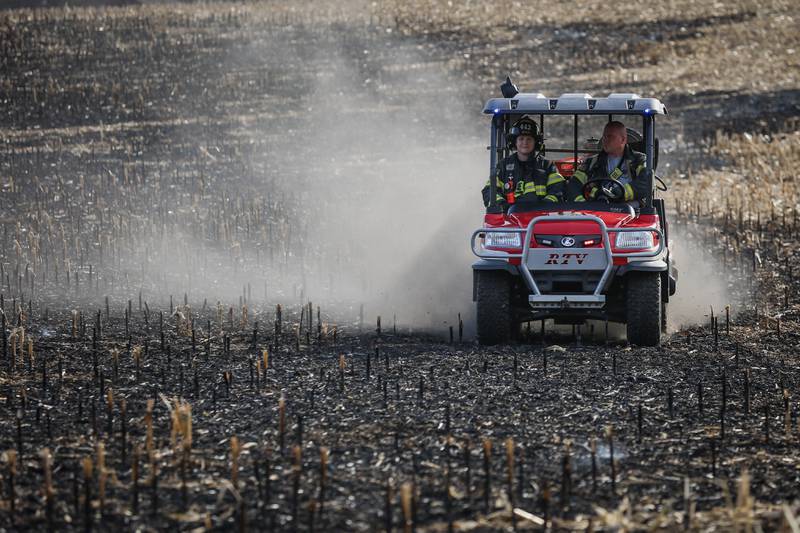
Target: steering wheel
{"type": "Point", "coordinates": [610, 189]}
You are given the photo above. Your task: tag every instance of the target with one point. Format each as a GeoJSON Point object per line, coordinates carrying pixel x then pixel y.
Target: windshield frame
{"type": "Point", "coordinates": [499, 149]}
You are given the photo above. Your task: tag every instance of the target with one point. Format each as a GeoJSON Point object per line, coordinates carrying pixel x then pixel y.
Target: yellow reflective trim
{"type": "Point", "coordinates": [580, 198]}
{"type": "Point", "coordinates": [554, 179]}
{"type": "Point", "coordinates": [551, 198]}
{"type": "Point", "coordinates": [628, 192]}
{"type": "Point", "coordinates": [639, 169]}
{"type": "Point", "coordinates": [529, 187]}
{"type": "Point", "coordinates": [498, 184]}
{"type": "Point", "coordinates": [580, 176]}
{"type": "Point", "coordinates": [541, 190]}
{"type": "Point", "coordinates": [593, 192]}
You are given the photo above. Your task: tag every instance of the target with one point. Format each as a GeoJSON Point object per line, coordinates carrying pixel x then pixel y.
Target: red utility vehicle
{"type": "Point", "coordinates": [601, 259]}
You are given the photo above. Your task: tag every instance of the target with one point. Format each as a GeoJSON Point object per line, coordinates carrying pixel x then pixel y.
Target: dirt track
{"type": "Point", "coordinates": [146, 156]}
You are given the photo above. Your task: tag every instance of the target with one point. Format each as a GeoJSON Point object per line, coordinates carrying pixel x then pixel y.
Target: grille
{"type": "Point", "coordinates": [554, 241]}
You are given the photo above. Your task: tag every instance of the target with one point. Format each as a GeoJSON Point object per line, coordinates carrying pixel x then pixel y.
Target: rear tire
{"type": "Point", "coordinates": [643, 302]}
{"type": "Point", "coordinates": [495, 317]}
{"type": "Point", "coordinates": [664, 318]}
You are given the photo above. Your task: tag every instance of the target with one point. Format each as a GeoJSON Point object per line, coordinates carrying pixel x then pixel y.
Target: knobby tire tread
{"type": "Point", "coordinates": [644, 308]}
{"type": "Point", "coordinates": [494, 311]}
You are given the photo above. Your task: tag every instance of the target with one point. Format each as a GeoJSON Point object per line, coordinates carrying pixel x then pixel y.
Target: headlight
{"type": "Point", "coordinates": [498, 239]}
{"type": "Point", "coordinates": [634, 239]}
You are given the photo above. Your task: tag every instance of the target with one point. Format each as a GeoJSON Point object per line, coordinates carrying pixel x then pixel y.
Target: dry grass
{"type": "Point", "coordinates": [663, 47]}
{"type": "Point", "coordinates": [758, 176]}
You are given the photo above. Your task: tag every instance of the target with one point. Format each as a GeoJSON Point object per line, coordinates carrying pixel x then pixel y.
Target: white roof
{"type": "Point", "coordinates": [576, 103]}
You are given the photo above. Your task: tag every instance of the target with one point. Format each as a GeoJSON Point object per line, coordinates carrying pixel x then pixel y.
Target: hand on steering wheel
{"type": "Point", "coordinates": [609, 189]}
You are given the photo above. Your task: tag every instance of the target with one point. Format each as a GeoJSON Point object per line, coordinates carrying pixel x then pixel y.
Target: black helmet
{"type": "Point", "coordinates": [526, 125]}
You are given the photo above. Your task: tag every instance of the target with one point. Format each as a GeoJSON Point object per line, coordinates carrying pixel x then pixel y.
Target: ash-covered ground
{"type": "Point", "coordinates": [236, 287]}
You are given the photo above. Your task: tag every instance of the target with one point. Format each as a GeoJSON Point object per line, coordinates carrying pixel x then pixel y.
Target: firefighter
{"type": "Point", "coordinates": [616, 160]}
{"type": "Point", "coordinates": [525, 174]}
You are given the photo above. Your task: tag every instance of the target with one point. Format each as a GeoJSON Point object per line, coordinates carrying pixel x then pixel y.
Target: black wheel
{"type": "Point", "coordinates": [643, 302]}
{"type": "Point", "coordinates": [664, 317]}
{"type": "Point", "coordinates": [495, 316]}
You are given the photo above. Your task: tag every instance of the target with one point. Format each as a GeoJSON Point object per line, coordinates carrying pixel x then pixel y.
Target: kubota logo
{"type": "Point", "coordinates": [564, 259]}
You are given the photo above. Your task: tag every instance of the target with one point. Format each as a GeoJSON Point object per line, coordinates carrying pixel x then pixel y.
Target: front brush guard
{"type": "Point", "coordinates": [598, 259]}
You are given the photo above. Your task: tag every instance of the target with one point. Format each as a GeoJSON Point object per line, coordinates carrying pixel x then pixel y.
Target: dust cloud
{"type": "Point", "coordinates": [702, 285]}
{"type": "Point", "coordinates": [389, 189]}
{"type": "Point", "coordinates": [384, 160]}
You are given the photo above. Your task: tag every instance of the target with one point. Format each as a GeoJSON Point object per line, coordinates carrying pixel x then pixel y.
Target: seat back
{"type": "Point", "coordinates": [636, 143]}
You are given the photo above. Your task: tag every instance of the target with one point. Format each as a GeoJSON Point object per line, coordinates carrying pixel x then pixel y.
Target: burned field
{"type": "Point", "coordinates": [187, 346]}
{"type": "Point", "coordinates": [332, 432]}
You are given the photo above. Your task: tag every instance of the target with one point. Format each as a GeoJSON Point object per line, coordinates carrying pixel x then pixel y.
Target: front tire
{"type": "Point", "coordinates": [495, 317]}
{"type": "Point", "coordinates": [643, 302]}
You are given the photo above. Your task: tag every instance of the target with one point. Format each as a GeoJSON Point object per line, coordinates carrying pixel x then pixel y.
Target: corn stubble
{"type": "Point", "coordinates": [115, 201]}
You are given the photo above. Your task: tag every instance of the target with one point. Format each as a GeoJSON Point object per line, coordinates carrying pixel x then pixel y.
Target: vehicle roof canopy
{"type": "Point", "coordinates": [575, 103]}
